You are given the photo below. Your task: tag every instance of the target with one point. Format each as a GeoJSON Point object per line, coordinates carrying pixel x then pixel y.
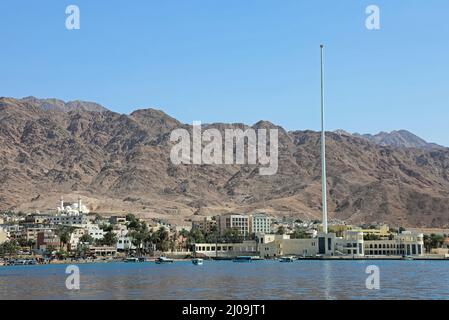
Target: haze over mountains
{"type": "Point", "coordinates": [120, 163]}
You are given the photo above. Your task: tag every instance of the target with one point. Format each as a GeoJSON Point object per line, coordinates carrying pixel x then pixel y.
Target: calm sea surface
{"type": "Point", "coordinates": [230, 280]}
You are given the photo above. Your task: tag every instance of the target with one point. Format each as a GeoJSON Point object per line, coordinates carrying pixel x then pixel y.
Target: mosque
{"type": "Point", "coordinates": [74, 209]}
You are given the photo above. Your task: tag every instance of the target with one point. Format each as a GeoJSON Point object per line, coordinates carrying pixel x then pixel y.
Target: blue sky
{"type": "Point", "coordinates": [238, 61]}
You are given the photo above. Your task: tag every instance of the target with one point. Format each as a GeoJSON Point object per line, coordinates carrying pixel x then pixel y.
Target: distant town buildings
{"type": "Point", "coordinates": [47, 239]}
{"type": "Point", "coordinates": [73, 229]}
{"type": "Point", "coordinates": [206, 224]}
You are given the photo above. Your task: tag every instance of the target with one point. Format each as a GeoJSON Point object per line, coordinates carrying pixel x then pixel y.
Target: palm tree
{"type": "Point", "coordinates": [64, 233]}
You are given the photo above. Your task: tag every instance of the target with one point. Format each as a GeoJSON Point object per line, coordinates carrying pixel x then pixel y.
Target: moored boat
{"type": "Point", "coordinates": [163, 260]}
{"type": "Point", "coordinates": [243, 259]}
{"type": "Point", "coordinates": [197, 261]}
{"type": "Point", "coordinates": [286, 259]}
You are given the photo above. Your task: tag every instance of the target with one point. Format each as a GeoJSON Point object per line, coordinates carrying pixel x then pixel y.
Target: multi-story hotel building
{"type": "Point", "coordinates": [261, 223]}
{"type": "Point", "coordinates": [235, 221]}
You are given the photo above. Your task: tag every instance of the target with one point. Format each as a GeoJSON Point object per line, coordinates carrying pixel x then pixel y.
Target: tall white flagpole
{"type": "Point", "coordinates": [323, 149]}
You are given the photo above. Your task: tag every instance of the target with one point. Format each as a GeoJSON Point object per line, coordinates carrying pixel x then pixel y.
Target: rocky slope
{"type": "Point", "coordinates": [120, 163]}
{"type": "Point", "coordinates": [400, 139]}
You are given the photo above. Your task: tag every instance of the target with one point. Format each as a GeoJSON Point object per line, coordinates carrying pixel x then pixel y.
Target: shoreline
{"type": "Point", "coordinates": [153, 261]}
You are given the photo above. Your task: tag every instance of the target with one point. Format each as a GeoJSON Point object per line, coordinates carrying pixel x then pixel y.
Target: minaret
{"type": "Point", "coordinates": [62, 203]}
{"type": "Point", "coordinates": [323, 149]}
{"type": "Point", "coordinates": [79, 204]}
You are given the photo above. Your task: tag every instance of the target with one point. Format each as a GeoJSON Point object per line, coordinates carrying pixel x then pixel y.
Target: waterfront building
{"type": "Point", "coordinates": [226, 250]}
{"type": "Point", "coordinates": [124, 244]}
{"type": "Point", "coordinates": [239, 222]}
{"type": "Point", "coordinates": [351, 243]}
{"type": "Point", "coordinates": [261, 223]}
{"type": "Point", "coordinates": [406, 244]}
{"type": "Point", "coordinates": [271, 246]}
{"type": "Point", "coordinates": [102, 251]}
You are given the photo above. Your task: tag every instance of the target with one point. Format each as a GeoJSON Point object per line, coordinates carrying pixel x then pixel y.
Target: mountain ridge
{"type": "Point", "coordinates": [120, 163]}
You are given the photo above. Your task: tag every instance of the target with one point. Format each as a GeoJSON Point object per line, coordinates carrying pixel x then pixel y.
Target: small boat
{"type": "Point", "coordinates": [286, 259]}
{"type": "Point", "coordinates": [408, 258]}
{"type": "Point", "coordinates": [132, 259]}
{"type": "Point", "coordinates": [243, 259]}
{"type": "Point", "coordinates": [197, 261]}
{"type": "Point", "coordinates": [163, 260]}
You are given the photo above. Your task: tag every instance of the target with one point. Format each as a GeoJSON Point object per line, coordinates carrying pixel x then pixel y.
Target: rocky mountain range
{"type": "Point", "coordinates": [399, 138]}
{"type": "Point", "coordinates": [121, 163]}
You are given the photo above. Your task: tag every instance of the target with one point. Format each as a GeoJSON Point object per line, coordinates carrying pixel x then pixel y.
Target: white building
{"type": "Point", "coordinates": [73, 209]}
{"type": "Point", "coordinates": [120, 230]}
{"type": "Point", "coordinates": [261, 223]}
{"type": "Point", "coordinates": [75, 237]}
{"type": "Point", "coordinates": [271, 246]}
{"type": "Point", "coordinates": [125, 243]}
{"type": "Point", "coordinates": [351, 244]}
{"type": "Point", "coordinates": [228, 250]}
{"type": "Point", "coordinates": [95, 231]}
{"type": "Point", "coordinates": [69, 219]}
{"type": "Point", "coordinates": [405, 244]}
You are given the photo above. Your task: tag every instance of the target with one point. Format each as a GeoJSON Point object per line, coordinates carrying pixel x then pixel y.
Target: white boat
{"type": "Point", "coordinates": [197, 261]}
{"type": "Point", "coordinates": [163, 260]}
{"type": "Point", "coordinates": [286, 259]}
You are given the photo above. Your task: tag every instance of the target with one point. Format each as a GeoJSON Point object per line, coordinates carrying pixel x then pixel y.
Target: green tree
{"type": "Point", "coordinates": [130, 217]}
{"type": "Point", "coordinates": [139, 237]}
{"type": "Point", "coordinates": [195, 236]}
{"type": "Point", "coordinates": [299, 233]}
{"type": "Point", "coordinates": [64, 233]}
{"type": "Point", "coordinates": [87, 238]}
{"type": "Point", "coordinates": [109, 239]}
{"type": "Point", "coordinates": [161, 239]}
{"type": "Point", "coordinates": [10, 248]}
{"type": "Point", "coordinates": [433, 241]}
{"type": "Point", "coordinates": [106, 227]}
{"type": "Point", "coordinates": [370, 236]}
{"type": "Point", "coordinates": [232, 236]}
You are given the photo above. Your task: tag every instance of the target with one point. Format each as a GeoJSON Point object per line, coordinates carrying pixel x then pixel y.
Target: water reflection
{"type": "Point", "coordinates": [228, 280]}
